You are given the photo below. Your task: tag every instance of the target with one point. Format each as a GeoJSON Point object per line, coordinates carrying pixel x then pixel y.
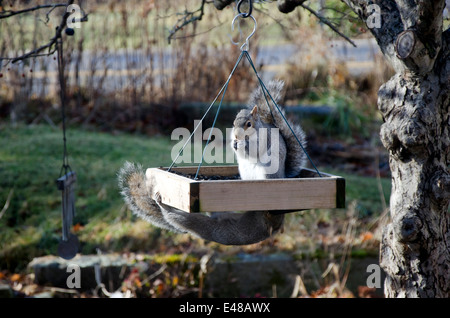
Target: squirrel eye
{"type": "Point", "coordinates": [249, 124]}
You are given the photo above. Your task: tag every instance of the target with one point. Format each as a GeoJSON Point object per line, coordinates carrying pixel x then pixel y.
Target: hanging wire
{"type": "Point", "coordinates": [265, 90]}
{"type": "Point", "coordinates": [224, 87]}
{"type": "Point", "coordinates": [62, 91]}
{"type": "Point", "coordinates": [218, 110]}
{"type": "Point", "coordinates": [244, 52]}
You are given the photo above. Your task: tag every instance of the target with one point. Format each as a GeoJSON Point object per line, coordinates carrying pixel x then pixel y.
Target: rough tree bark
{"type": "Point", "coordinates": [415, 247]}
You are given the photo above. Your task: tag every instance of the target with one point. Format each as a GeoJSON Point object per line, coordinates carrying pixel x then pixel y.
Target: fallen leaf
{"type": "Point", "coordinates": [367, 292]}
{"type": "Point", "coordinates": [366, 236]}
{"type": "Point", "coordinates": [137, 282]}
{"type": "Point", "coordinates": [77, 227]}
{"type": "Point", "coordinates": [15, 277]}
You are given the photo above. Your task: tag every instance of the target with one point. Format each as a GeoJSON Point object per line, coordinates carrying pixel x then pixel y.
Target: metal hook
{"type": "Point", "coordinates": [245, 46]}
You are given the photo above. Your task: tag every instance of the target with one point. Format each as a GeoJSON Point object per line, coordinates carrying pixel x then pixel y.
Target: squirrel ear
{"type": "Point", "coordinates": [254, 111]}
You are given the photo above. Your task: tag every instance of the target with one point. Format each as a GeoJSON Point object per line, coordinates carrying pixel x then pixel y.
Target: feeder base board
{"type": "Point", "coordinates": [308, 191]}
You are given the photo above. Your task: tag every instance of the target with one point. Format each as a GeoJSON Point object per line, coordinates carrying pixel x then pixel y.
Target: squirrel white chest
{"type": "Point", "coordinates": [251, 171]}
{"type": "Point", "coordinates": [254, 160]}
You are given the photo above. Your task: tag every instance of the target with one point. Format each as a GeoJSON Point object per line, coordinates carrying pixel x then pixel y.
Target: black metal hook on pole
{"type": "Point", "coordinates": [250, 8]}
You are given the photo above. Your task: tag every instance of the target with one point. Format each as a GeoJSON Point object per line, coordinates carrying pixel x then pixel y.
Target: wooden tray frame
{"type": "Point", "coordinates": [309, 191]}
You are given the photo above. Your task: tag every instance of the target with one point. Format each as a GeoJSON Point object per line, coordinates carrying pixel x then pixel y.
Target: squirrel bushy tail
{"type": "Point", "coordinates": [132, 187]}
{"type": "Point", "coordinates": [295, 155]}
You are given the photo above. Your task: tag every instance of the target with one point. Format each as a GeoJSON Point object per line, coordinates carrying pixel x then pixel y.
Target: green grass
{"type": "Point", "coordinates": [30, 162]}
{"type": "Point", "coordinates": [366, 192]}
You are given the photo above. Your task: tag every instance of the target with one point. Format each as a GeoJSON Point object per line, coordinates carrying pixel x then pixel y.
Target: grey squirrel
{"type": "Point", "coordinates": [262, 151]}
{"type": "Point", "coordinates": [227, 228]}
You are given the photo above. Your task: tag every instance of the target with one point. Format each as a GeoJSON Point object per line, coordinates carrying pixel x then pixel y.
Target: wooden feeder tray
{"type": "Point", "coordinates": [224, 192]}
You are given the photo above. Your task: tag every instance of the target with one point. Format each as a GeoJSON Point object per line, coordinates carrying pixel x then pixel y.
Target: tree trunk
{"type": "Point", "coordinates": [415, 247]}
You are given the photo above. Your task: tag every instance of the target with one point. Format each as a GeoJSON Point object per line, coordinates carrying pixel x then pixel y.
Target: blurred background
{"type": "Point", "coordinates": [127, 89]}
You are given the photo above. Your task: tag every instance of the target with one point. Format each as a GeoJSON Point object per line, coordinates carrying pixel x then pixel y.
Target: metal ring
{"type": "Point", "coordinates": [250, 8]}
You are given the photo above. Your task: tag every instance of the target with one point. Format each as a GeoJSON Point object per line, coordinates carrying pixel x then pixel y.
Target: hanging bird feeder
{"type": "Point", "coordinates": [219, 188]}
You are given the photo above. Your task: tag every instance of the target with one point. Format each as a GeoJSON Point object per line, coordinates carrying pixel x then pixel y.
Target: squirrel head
{"type": "Point", "coordinates": [246, 123]}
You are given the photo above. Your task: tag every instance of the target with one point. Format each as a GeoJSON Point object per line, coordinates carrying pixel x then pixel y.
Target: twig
{"type": "Point", "coordinates": [322, 19]}
{"type": "Point", "coordinates": [159, 271]}
{"type": "Point", "coordinates": [10, 13]}
{"type": "Point", "coordinates": [299, 287]}
{"type": "Point", "coordinates": [188, 17]}
{"type": "Point", "coordinates": [343, 13]}
{"type": "Point", "coordinates": [277, 21]}
{"type": "Point", "coordinates": [47, 15]}
{"type": "Point", "coordinates": [6, 206]}
{"type": "Point", "coordinates": [327, 22]}
{"type": "Point", "coordinates": [198, 33]}
{"type": "Point", "coordinates": [62, 290]}
{"type": "Point", "coordinates": [52, 43]}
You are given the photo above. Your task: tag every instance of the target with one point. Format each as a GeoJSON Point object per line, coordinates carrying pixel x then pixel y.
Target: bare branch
{"type": "Point", "coordinates": [198, 33]}
{"type": "Point", "coordinates": [47, 15]}
{"type": "Point", "coordinates": [327, 22]}
{"type": "Point", "coordinates": [188, 18]}
{"type": "Point", "coordinates": [286, 6]}
{"type": "Point", "coordinates": [9, 13]}
{"type": "Point", "coordinates": [283, 28]}
{"type": "Point", "coordinates": [51, 44]}
{"type": "Point", "coordinates": [35, 52]}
